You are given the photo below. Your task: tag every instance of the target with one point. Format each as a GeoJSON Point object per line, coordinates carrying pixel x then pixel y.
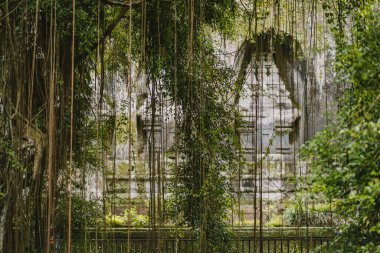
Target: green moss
{"type": "Point", "coordinates": [122, 170]}
{"type": "Point", "coordinates": [115, 220]}
{"type": "Point", "coordinates": [276, 221]}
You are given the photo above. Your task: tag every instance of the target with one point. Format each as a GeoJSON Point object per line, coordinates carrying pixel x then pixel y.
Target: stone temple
{"type": "Point", "coordinates": [283, 102]}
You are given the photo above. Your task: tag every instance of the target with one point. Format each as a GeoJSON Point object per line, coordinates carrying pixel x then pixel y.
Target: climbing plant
{"type": "Point", "coordinates": [57, 57]}
{"type": "Point", "coordinates": [59, 128]}
{"type": "Point", "coordinates": [345, 156]}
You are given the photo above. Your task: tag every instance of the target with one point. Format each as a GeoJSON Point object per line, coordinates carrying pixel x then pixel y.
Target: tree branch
{"type": "Point", "coordinates": [107, 32]}
{"type": "Point", "coordinates": [111, 26]}
{"type": "Point", "coordinates": [126, 3]}
{"type": "Point", "coordinates": [122, 4]}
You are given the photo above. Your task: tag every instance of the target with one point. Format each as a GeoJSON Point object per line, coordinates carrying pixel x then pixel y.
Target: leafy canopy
{"type": "Point", "coordinates": [345, 157]}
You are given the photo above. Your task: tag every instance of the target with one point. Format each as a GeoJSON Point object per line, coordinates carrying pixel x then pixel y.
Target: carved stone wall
{"type": "Point", "coordinates": [278, 118]}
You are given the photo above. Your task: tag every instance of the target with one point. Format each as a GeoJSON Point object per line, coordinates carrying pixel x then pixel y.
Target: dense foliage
{"type": "Point", "coordinates": [345, 157]}
{"type": "Point", "coordinates": [55, 108]}
{"type": "Point", "coordinates": [163, 39]}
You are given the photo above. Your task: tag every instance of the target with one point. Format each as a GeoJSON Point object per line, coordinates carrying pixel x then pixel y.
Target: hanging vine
{"type": "Point", "coordinates": [60, 65]}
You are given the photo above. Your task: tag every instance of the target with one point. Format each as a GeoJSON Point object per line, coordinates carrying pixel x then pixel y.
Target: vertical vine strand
{"type": "Point", "coordinates": [69, 183]}
{"type": "Point", "coordinates": [51, 127]}
{"type": "Point", "coordinates": [175, 128]}
{"type": "Point", "coordinates": [129, 90]}
{"type": "Point", "coordinates": [35, 30]}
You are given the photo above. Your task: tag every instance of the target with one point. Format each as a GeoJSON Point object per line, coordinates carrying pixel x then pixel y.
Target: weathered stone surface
{"type": "Point", "coordinates": [277, 120]}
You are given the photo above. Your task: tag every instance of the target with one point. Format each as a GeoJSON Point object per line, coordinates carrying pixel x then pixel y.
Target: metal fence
{"type": "Point", "coordinates": [184, 245]}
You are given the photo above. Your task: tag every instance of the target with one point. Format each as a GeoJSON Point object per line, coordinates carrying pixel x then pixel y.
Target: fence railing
{"type": "Point", "coordinates": [148, 242]}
